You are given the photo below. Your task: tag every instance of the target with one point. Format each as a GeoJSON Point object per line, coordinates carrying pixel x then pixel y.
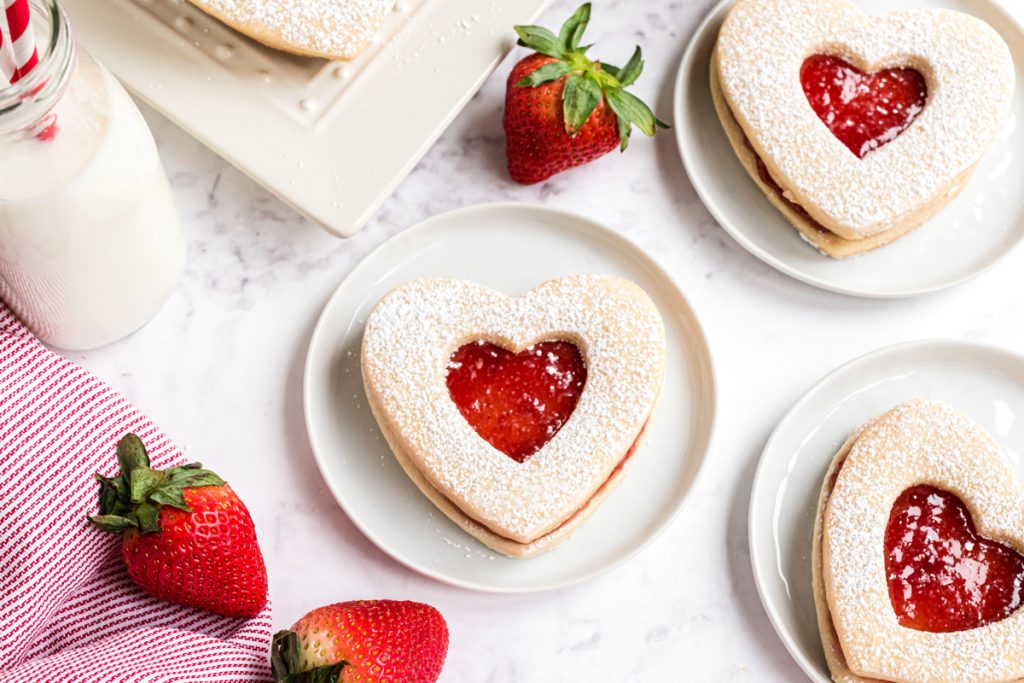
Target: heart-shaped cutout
{"type": "Point", "coordinates": [917, 567]}
{"type": "Point", "coordinates": [609, 343]}
{"type": "Point", "coordinates": [516, 401]}
{"type": "Point", "coordinates": [758, 68]}
{"type": "Point", "coordinates": [863, 110]}
{"type": "Point", "coordinates": [942, 575]}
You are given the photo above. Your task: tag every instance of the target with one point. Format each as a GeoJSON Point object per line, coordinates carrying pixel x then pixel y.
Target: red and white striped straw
{"type": "Point", "coordinates": [23, 39]}
{"type": "Point", "coordinates": [3, 52]}
{"type": "Point", "coordinates": [7, 68]}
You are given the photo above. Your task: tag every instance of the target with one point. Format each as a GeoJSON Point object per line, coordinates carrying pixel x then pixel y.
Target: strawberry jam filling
{"type": "Point", "coordinates": [516, 401]}
{"type": "Point", "coordinates": [942, 576]}
{"type": "Point", "coordinates": [863, 110]}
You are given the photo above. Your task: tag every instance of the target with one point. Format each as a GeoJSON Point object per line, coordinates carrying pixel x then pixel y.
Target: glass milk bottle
{"type": "Point", "coordinates": [90, 244]}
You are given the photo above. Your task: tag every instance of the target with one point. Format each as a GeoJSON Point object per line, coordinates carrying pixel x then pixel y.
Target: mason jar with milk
{"type": "Point", "coordinates": [90, 244]}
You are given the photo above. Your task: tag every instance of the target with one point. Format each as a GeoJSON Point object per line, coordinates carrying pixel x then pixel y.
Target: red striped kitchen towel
{"type": "Point", "coordinates": [68, 609]}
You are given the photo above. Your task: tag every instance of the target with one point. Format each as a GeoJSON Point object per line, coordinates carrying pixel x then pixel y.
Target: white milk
{"type": "Point", "coordinates": [90, 245]}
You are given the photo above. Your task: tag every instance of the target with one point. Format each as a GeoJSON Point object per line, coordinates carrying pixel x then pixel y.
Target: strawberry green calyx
{"type": "Point", "coordinates": [132, 499]}
{"type": "Point", "coordinates": [286, 658]}
{"type": "Point", "coordinates": [586, 81]}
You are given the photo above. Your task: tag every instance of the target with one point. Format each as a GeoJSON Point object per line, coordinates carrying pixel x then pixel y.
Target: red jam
{"type": "Point", "coordinates": [516, 401]}
{"type": "Point", "coordinates": [865, 111]}
{"type": "Point", "coordinates": [942, 576]}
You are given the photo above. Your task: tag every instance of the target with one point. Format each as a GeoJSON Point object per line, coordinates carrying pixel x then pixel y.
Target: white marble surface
{"type": "Point", "coordinates": [220, 370]}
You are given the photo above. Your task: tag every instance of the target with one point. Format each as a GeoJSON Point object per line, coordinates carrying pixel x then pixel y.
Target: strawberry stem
{"type": "Point", "coordinates": [286, 660]}
{"type": "Point", "coordinates": [587, 81]}
{"type": "Point", "coordinates": [132, 499]}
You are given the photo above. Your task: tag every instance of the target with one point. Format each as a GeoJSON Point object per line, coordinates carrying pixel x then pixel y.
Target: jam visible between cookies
{"type": "Point", "coordinates": [865, 111]}
{"type": "Point", "coordinates": [767, 179]}
{"type": "Point", "coordinates": [516, 401]}
{"type": "Point", "coordinates": [942, 576]}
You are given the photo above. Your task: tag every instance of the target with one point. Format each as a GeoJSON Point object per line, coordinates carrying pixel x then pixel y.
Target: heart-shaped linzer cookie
{"type": "Point", "coordinates": [517, 401]}
{"type": "Point", "coordinates": [515, 416]}
{"type": "Point", "coordinates": [912, 170]}
{"type": "Point", "coordinates": [331, 29]}
{"type": "Point", "coordinates": [917, 565]}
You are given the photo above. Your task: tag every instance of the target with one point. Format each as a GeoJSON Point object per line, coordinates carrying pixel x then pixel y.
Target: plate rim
{"type": "Point", "coordinates": [931, 343]}
{"type": "Point", "coordinates": [608, 233]}
{"type": "Point", "coordinates": [682, 122]}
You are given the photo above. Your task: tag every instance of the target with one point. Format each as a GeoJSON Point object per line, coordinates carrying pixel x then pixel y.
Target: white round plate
{"type": "Point", "coordinates": [512, 248]}
{"type": "Point", "coordinates": [984, 382]}
{"type": "Point", "coordinates": [967, 237]}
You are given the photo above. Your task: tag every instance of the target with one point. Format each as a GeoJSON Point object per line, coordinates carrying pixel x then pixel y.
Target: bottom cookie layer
{"type": "Point", "coordinates": [506, 546]}
{"type": "Point", "coordinates": [829, 638]}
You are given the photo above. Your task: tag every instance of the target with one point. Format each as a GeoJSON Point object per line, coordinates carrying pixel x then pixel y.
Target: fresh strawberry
{"type": "Point", "coordinates": [370, 641]}
{"type": "Point", "coordinates": [564, 110]}
{"type": "Point", "coordinates": [186, 536]}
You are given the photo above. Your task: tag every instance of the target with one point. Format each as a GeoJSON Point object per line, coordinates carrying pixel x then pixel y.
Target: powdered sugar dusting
{"type": "Point", "coordinates": [330, 28]}
{"type": "Point", "coordinates": [970, 76]}
{"type": "Point", "coordinates": [919, 442]}
{"type": "Point", "coordinates": [409, 339]}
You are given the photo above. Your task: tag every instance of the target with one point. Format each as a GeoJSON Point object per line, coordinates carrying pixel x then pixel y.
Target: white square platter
{"type": "Point", "coordinates": [332, 139]}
